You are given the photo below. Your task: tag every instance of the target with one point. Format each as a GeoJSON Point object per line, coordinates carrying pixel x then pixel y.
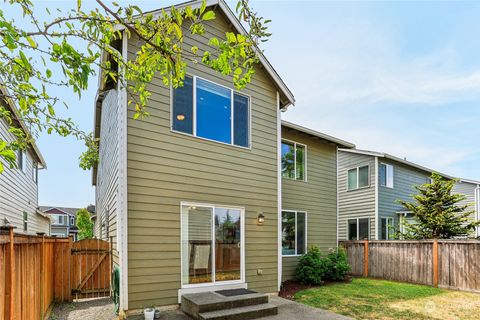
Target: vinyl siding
{"type": "Point", "coordinates": [19, 192]}
{"type": "Point", "coordinates": [108, 170]}
{"type": "Point", "coordinates": [317, 195]}
{"type": "Point", "coordinates": [358, 203]}
{"type": "Point", "coordinates": [404, 180]}
{"type": "Point", "coordinates": [468, 190]}
{"type": "Point", "coordinates": [165, 168]}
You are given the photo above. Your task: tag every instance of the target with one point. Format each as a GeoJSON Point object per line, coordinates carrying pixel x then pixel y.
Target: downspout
{"type": "Point", "coordinates": [337, 200]}
{"type": "Point", "coordinates": [279, 192]}
{"type": "Point", "coordinates": [477, 207]}
{"type": "Point", "coordinates": [376, 198]}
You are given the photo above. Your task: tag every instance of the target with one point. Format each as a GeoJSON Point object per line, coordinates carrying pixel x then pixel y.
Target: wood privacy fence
{"type": "Point", "coordinates": [36, 271]}
{"type": "Point", "coordinates": [451, 264]}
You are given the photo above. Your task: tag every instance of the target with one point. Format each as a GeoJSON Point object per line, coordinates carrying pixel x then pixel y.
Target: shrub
{"type": "Point", "coordinates": [336, 264]}
{"type": "Point", "coordinates": [310, 268]}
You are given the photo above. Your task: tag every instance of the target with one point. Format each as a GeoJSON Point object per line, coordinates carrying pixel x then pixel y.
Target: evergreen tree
{"type": "Point", "coordinates": [84, 224]}
{"type": "Point", "coordinates": [436, 213]}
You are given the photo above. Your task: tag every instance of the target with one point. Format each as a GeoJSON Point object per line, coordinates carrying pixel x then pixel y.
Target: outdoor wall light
{"type": "Point", "coordinates": [260, 218]}
{"type": "Point", "coordinates": [180, 117]}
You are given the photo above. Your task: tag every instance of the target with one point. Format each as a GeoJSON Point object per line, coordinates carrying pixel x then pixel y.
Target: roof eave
{"type": "Point", "coordinates": [318, 134]}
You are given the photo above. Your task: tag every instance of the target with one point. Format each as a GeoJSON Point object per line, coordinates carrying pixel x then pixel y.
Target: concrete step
{"type": "Point", "coordinates": [196, 303]}
{"type": "Point", "coordinates": [241, 313]}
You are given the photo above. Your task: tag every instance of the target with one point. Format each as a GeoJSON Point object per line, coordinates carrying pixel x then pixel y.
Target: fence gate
{"type": "Point", "coordinates": [91, 268]}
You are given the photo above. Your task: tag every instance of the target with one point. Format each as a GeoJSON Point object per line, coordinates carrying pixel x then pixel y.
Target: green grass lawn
{"type": "Point", "coordinates": [380, 299]}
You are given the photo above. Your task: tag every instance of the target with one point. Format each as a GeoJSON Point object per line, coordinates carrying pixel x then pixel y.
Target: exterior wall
{"type": "Point", "coordinates": [358, 203]}
{"type": "Point", "coordinates": [469, 189]}
{"type": "Point", "coordinates": [317, 195]}
{"type": "Point", "coordinates": [166, 168]}
{"type": "Point", "coordinates": [19, 193]}
{"type": "Point", "coordinates": [404, 180]}
{"type": "Point", "coordinates": [106, 191]}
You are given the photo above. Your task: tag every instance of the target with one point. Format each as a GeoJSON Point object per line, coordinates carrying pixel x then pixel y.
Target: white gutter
{"type": "Point", "coordinates": [279, 191]}
{"type": "Point", "coordinates": [376, 224]}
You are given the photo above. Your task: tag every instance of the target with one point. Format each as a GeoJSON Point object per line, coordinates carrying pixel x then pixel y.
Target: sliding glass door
{"type": "Point", "coordinates": [211, 244]}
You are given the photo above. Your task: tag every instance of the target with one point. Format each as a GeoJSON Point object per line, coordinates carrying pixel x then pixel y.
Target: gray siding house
{"type": "Point", "coordinates": [19, 186]}
{"type": "Point", "coordinates": [369, 185]}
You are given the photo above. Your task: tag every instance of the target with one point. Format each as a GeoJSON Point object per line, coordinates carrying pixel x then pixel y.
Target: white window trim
{"type": "Point", "coordinates": [296, 242]}
{"type": "Point", "coordinates": [386, 226]}
{"type": "Point", "coordinates": [295, 160]}
{"type": "Point", "coordinates": [358, 177]}
{"type": "Point", "coordinates": [242, 246]}
{"type": "Point", "coordinates": [386, 175]}
{"type": "Point", "coordinates": [358, 226]}
{"type": "Point", "coordinates": [194, 113]}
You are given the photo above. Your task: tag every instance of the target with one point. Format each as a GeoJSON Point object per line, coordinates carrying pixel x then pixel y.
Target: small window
{"type": "Point", "coordinates": [21, 160]}
{"type": "Point", "coordinates": [386, 228]}
{"type": "Point", "coordinates": [294, 235]}
{"type": "Point", "coordinates": [358, 178]}
{"type": "Point", "coordinates": [293, 160]}
{"type": "Point", "coordinates": [358, 229]}
{"type": "Point", "coordinates": [35, 172]}
{"type": "Point", "coordinates": [207, 110]}
{"type": "Point", "coordinates": [428, 180]}
{"type": "Point", "coordinates": [385, 175]}
{"type": "Point", "coordinates": [72, 221]}
{"type": "Point", "coordinates": [25, 221]}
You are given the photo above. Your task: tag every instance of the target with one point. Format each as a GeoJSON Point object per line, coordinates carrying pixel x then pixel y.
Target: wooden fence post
{"type": "Point", "coordinates": [365, 258]}
{"type": "Point", "coordinates": [435, 263]}
{"type": "Point", "coordinates": [10, 277]}
{"type": "Point", "coordinates": [42, 277]}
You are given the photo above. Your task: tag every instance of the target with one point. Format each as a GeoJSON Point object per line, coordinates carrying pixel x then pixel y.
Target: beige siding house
{"type": "Point", "coordinates": [309, 193]}
{"type": "Point", "coordinates": [19, 186]}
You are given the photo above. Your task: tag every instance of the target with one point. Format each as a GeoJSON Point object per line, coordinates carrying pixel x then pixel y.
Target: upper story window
{"type": "Point", "coordinates": [59, 219]}
{"type": "Point", "coordinates": [293, 160]}
{"type": "Point", "coordinates": [72, 221]}
{"type": "Point", "coordinates": [385, 175]}
{"type": "Point", "coordinates": [21, 160]}
{"type": "Point", "coordinates": [35, 172]}
{"type": "Point", "coordinates": [207, 110]}
{"type": "Point", "coordinates": [358, 178]}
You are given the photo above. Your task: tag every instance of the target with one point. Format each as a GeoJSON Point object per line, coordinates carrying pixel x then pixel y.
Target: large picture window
{"type": "Point", "coordinates": [385, 175]}
{"type": "Point", "coordinates": [358, 178]}
{"type": "Point", "coordinates": [358, 229]}
{"type": "Point", "coordinates": [294, 234]}
{"type": "Point", "coordinates": [293, 160]}
{"type": "Point", "coordinates": [207, 110]}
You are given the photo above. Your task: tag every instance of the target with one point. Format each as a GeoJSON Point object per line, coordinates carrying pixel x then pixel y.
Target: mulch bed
{"type": "Point", "coordinates": [290, 287]}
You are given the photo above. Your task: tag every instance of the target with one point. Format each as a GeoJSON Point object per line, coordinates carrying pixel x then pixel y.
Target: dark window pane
{"type": "Point", "coordinates": [288, 160]}
{"type": "Point", "coordinates": [383, 229]}
{"type": "Point", "coordinates": [240, 120]}
{"type": "Point", "coordinates": [352, 229]}
{"type": "Point", "coordinates": [288, 233]}
{"type": "Point", "coordinates": [352, 179]}
{"type": "Point", "coordinates": [301, 232]}
{"type": "Point", "coordinates": [213, 112]}
{"type": "Point", "coordinates": [363, 228]}
{"type": "Point", "coordinates": [300, 162]}
{"type": "Point", "coordinates": [182, 113]}
{"type": "Point", "coordinates": [363, 177]}
{"type": "Point", "coordinates": [382, 174]}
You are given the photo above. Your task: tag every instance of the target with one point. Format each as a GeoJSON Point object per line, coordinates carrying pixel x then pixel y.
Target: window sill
{"type": "Point", "coordinates": [292, 256]}
{"type": "Point", "coordinates": [361, 188]}
{"type": "Point", "coordinates": [292, 179]}
{"type": "Point", "coordinates": [210, 140]}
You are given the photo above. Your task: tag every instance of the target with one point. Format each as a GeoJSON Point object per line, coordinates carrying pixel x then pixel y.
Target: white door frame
{"type": "Point", "coordinates": [214, 285]}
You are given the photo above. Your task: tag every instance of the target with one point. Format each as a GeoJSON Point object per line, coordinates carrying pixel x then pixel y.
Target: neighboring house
{"type": "Point", "coordinates": [192, 195]}
{"type": "Point", "coordinates": [471, 190]}
{"type": "Point", "coordinates": [369, 185]}
{"type": "Point", "coordinates": [64, 221]}
{"type": "Point", "coordinates": [309, 197]}
{"type": "Point", "coordinates": [19, 186]}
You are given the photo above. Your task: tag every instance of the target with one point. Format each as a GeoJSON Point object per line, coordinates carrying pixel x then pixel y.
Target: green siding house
{"type": "Point", "coordinates": [369, 185]}
{"type": "Point", "coordinates": [192, 196]}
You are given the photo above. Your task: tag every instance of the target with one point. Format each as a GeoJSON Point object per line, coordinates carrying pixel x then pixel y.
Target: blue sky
{"type": "Point", "coordinates": [402, 78]}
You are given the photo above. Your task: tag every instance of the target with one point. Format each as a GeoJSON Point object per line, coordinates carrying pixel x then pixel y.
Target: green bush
{"type": "Point", "coordinates": [310, 268]}
{"type": "Point", "coordinates": [313, 268]}
{"type": "Point", "coordinates": [336, 265]}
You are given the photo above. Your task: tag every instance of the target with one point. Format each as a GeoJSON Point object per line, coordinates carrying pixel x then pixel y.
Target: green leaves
{"type": "Point", "coordinates": [209, 15]}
